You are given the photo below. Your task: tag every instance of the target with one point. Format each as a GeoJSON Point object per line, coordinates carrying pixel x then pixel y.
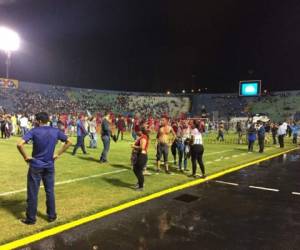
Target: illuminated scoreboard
{"type": "Point", "coordinates": [250, 88]}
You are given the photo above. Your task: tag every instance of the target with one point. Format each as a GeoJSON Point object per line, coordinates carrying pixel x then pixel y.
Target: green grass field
{"type": "Point", "coordinates": [106, 185]}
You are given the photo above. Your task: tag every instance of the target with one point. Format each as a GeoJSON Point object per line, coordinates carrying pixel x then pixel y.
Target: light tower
{"type": "Point", "coordinates": [9, 42]}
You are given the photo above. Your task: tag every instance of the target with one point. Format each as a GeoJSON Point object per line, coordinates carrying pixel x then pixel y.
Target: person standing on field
{"type": "Point", "coordinates": [41, 165]}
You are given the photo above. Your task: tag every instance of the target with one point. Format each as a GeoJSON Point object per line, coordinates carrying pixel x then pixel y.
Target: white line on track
{"type": "Point", "coordinates": [227, 183]}
{"type": "Point", "coordinates": [263, 188]}
{"type": "Point", "coordinates": [295, 193]}
{"type": "Point", "coordinates": [67, 181]}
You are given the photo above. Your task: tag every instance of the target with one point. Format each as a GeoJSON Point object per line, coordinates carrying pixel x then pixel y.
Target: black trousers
{"type": "Point", "coordinates": [274, 138]}
{"type": "Point", "coordinates": [3, 135]}
{"type": "Point", "coordinates": [79, 144]}
{"type": "Point", "coordinates": [250, 145]}
{"type": "Point", "coordinates": [197, 151]}
{"type": "Point", "coordinates": [295, 138]}
{"type": "Point", "coordinates": [120, 132]}
{"type": "Point", "coordinates": [261, 143]}
{"type": "Point", "coordinates": [174, 149]}
{"type": "Point", "coordinates": [138, 168]}
{"type": "Point", "coordinates": [281, 140]}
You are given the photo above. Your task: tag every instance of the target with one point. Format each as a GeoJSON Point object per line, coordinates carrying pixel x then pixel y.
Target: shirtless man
{"type": "Point", "coordinates": [164, 141]}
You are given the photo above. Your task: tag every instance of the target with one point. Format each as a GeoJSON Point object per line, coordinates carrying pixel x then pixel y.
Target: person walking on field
{"type": "Point", "coordinates": [106, 133]}
{"type": "Point", "coordinates": [81, 134]}
{"type": "Point", "coordinates": [251, 138]}
{"type": "Point", "coordinates": [121, 125]}
{"type": "Point", "coordinates": [220, 136]}
{"type": "Point", "coordinates": [261, 136]}
{"type": "Point", "coordinates": [41, 165]}
{"type": "Point", "coordinates": [281, 132]}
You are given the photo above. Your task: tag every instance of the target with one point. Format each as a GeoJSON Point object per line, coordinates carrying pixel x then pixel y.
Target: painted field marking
{"type": "Point", "coordinates": [67, 181]}
{"type": "Point", "coordinates": [234, 156]}
{"type": "Point", "coordinates": [218, 159]}
{"type": "Point", "coordinates": [295, 193]}
{"type": "Point", "coordinates": [213, 153]}
{"type": "Point", "coordinates": [61, 228]}
{"type": "Point", "coordinates": [227, 158]}
{"type": "Point", "coordinates": [263, 188]}
{"type": "Point", "coordinates": [219, 152]}
{"type": "Point", "coordinates": [227, 183]}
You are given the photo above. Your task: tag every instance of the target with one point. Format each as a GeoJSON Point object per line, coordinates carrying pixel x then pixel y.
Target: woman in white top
{"type": "Point", "coordinates": [197, 149]}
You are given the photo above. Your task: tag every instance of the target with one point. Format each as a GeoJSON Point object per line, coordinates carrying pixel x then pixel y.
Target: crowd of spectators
{"type": "Point", "coordinates": [57, 100]}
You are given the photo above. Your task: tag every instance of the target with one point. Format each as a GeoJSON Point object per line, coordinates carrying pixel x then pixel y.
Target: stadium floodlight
{"type": "Point", "coordinates": [9, 42]}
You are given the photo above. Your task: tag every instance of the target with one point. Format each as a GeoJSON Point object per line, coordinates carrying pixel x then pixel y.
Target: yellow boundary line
{"type": "Point", "coordinates": [50, 232]}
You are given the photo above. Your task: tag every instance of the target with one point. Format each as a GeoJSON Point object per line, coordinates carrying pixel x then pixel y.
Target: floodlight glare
{"type": "Point", "coordinates": [9, 40]}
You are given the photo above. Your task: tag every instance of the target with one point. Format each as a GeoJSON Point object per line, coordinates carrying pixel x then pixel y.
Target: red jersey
{"type": "Point", "coordinates": [138, 142]}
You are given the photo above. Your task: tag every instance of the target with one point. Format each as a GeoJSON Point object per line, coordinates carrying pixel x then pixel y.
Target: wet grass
{"type": "Point", "coordinates": [84, 197]}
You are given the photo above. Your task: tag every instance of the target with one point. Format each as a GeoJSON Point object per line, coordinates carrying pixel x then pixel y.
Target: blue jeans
{"type": "Point", "coordinates": [93, 140]}
{"type": "Point", "coordinates": [24, 130]}
{"type": "Point", "coordinates": [106, 145]}
{"type": "Point", "coordinates": [34, 177]}
{"type": "Point", "coordinates": [182, 155]}
{"type": "Point", "coordinates": [134, 135]}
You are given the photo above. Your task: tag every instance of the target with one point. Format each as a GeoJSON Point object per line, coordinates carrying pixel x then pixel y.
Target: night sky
{"type": "Point", "coordinates": [155, 45]}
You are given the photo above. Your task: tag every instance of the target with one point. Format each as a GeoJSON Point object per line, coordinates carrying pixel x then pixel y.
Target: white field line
{"type": "Point", "coordinates": [67, 181]}
{"type": "Point", "coordinates": [219, 152]}
{"type": "Point", "coordinates": [212, 153]}
{"type": "Point", "coordinates": [295, 193]}
{"type": "Point", "coordinates": [227, 183]}
{"type": "Point", "coordinates": [263, 188]}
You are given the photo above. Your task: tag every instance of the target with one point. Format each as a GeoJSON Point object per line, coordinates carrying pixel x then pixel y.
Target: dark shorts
{"type": "Point", "coordinates": [162, 151]}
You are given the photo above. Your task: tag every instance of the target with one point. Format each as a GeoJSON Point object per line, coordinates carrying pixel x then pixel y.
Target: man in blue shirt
{"type": "Point", "coordinates": [261, 136]}
{"type": "Point", "coordinates": [81, 134]}
{"type": "Point", "coordinates": [41, 165]}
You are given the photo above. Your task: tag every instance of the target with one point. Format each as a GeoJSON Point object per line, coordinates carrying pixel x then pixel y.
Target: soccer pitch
{"type": "Point", "coordinates": [84, 187]}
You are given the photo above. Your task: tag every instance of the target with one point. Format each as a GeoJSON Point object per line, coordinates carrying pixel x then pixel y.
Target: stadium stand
{"type": "Point", "coordinates": [277, 105]}
{"type": "Point", "coordinates": [32, 97]}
